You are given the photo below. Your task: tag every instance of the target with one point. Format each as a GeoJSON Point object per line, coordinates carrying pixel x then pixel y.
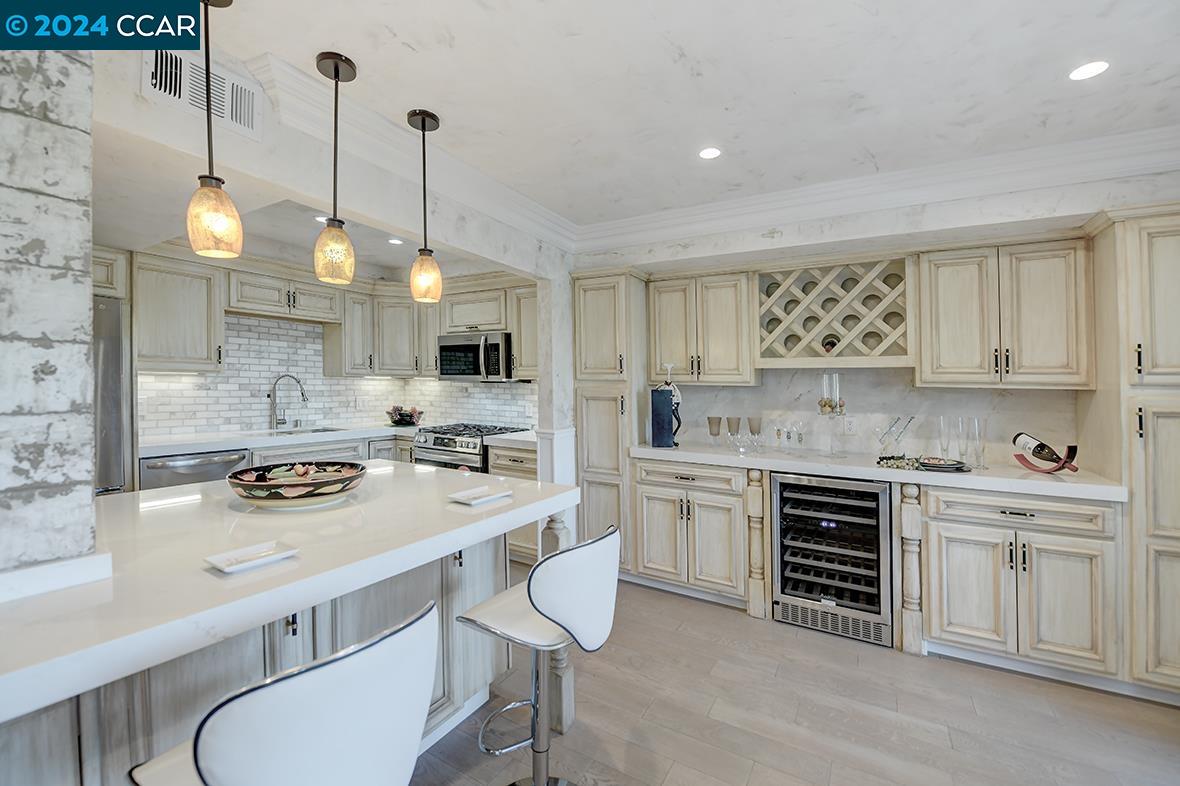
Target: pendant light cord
{"type": "Point", "coordinates": [425, 244]}
{"type": "Point", "coordinates": [335, 136]}
{"type": "Point", "coordinates": [208, 92]}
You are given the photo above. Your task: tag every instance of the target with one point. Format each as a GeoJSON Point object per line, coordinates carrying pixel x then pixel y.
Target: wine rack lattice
{"type": "Point", "coordinates": [852, 312]}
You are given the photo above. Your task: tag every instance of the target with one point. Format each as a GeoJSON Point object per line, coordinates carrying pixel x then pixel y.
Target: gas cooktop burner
{"type": "Point", "coordinates": [469, 430]}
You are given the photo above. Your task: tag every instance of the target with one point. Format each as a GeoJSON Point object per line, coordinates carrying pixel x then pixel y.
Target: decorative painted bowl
{"type": "Point", "coordinates": [296, 484]}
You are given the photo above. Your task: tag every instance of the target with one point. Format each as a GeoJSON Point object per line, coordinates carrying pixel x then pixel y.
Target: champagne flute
{"type": "Point", "coordinates": [962, 435]}
{"type": "Point", "coordinates": [944, 435]}
{"type": "Point", "coordinates": [979, 440]}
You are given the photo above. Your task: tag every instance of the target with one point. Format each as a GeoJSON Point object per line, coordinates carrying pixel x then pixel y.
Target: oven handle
{"type": "Point", "coordinates": [449, 460]}
{"type": "Point", "coordinates": [483, 347]}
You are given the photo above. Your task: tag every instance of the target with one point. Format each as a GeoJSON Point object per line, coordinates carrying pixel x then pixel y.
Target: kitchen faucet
{"type": "Point", "coordinates": [275, 420]}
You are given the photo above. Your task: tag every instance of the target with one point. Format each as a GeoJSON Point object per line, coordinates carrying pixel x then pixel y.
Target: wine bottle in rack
{"type": "Point", "coordinates": [1030, 444]}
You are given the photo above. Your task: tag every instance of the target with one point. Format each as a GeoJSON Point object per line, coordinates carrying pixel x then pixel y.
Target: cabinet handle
{"type": "Point", "coordinates": [681, 515]}
{"type": "Point", "coordinates": [416, 367]}
{"type": "Point", "coordinates": [1011, 555]}
{"type": "Point", "coordinates": [622, 405]}
{"type": "Point", "coordinates": [688, 478]}
{"type": "Point", "coordinates": [1139, 414]}
{"type": "Point", "coordinates": [1007, 361]}
{"type": "Point", "coordinates": [473, 327]}
{"type": "Point", "coordinates": [1023, 514]}
{"type": "Point", "coordinates": [292, 625]}
{"type": "Point", "coordinates": [457, 558]}
{"type": "Point", "coordinates": [688, 510]}
{"type": "Point", "coordinates": [370, 361]}
{"type": "Point", "coordinates": [294, 300]}
{"type": "Point", "coordinates": [699, 364]}
{"type": "Point", "coordinates": [219, 354]}
{"type": "Point", "coordinates": [620, 364]}
{"type": "Point", "coordinates": [436, 362]}
{"type": "Point", "coordinates": [1024, 557]}
{"type": "Point", "coordinates": [1139, 359]}
{"type": "Point", "coordinates": [996, 358]}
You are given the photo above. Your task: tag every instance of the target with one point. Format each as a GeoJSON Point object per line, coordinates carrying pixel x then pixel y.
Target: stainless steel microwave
{"type": "Point", "coordinates": [475, 357]}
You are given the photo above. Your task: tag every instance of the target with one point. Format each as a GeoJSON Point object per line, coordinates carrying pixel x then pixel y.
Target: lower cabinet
{"type": "Point", "coordinates": [396, 449]}
{"type": "Point", "coordinates": [690, 536]}
{"type": "Point", "coordinates": [604, 504]}
{"type": "Point", "coordinates": [311, 451]}
{"type": "Point", "coordinates": [1045, 597]}
{"type": "Point", "coordinates": [518, 463]}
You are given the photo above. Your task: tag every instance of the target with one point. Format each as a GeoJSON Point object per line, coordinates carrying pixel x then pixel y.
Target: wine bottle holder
{"type": "Point", "coordinates": [844, 314]}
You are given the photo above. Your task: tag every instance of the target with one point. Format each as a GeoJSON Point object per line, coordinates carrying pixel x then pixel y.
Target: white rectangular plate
{"type": "Point", "coordinates": [478, 495]}
{"type": "Point", "coordinates": [251, 556]}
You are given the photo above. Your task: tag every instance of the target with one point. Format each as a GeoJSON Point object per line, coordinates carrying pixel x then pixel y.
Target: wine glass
{"type": "Point", "coordinates": [800, 429]}
{"type": "Point", "coordinates": [755, 432]}
{"type": "Point", "coordinates": [714, 428]}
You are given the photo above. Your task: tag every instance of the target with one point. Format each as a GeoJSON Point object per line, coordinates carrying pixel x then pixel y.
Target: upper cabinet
{"type": "Point", "coordinates": [1153, 278]}
{"type": "Point", "coordinates": [695, 325]}
{"type": "Point", "coordinates": [109, 271]}
{"type": "Point", "coordinates": [1014, 316]}
{"type": "Point", "coordinates": [427, 334]}
{"type": "Point", "coordinates": [600, 330]}
{"type": "Point", "coordinates": [179, 315]}
{"type": "Point", "coordinates": [252, 293]}
{"type": "Point", "coordinates": [522, 324]}
{"type": "Point", "coordinates": [377, 337]}
{"type": "Point", "coordinates": [395, 347]}
{"type": "Point", "coordinates": [466, 311]}
{"type": "Point", "coordinates": [348, 347]}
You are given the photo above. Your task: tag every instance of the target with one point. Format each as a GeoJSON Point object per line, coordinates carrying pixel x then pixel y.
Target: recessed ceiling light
{"type": "Point", "coordinates": [397, 241]}
{"type": "Point", "coordinates": [1088, 70]}
{"type": "Point", "coordinates": [709, 153]}
{"type": "Point", "coordinates": [322, 219]}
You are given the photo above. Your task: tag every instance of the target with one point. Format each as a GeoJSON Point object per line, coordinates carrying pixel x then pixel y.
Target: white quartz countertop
{"type": "Point", "coordinates": [164, 601]}
{"type": "Point", "coordinates": [525, 440]}
{"type": "Point", "coordinates": [175, 444]}
{"type": "Point", "coordinates": [1006, 476]}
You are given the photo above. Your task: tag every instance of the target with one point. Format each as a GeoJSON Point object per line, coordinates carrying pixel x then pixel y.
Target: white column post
{"type": "Point", "coordinates": [911, 570]}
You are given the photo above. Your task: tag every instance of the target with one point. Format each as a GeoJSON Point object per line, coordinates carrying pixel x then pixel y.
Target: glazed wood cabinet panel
{"type": "Point", "coordinates": [601, 429]}
{"type": "Point", "coordinates": [600, 328]}
{"type": "Point", "coordinates": [717, 553]}
{"type": "Point", "coordinates": [517, 463]}
{"type": "Point", "coordinates": [1160, 484]}
{"type": "Point", "coordinates": [661, 534]}
{"type": "Point", "coordinates": [427, 333]}
{"type": "Point", "coordinates": [1045, 322]}
{"type": "Point", "coordinates": [315, 451]}
{"type": "Point", "coordinates": [1068, 596]}
{"type": "Point", "coordinates": [971, 592]}
{"type": "Point", "coordinates": [672, 323]}
{"type": "Point", "coordinates": [1024, 510]}
{"type": "Point", "coordinates": [522, 324]}
{"type": "Point", "coordinates": [465, 311]}
{"type": "Point", "coordinates": [724, 346]}
{"type": "Point", "coordinates": [959, 316]}
{"type": "Point", "coordinates": [109, 270]}
{"type": "Point", "coordinates": [41, 748]}
{"type": "Point", "coordinates": [348, 347]}
{"type": "Point", "coordinates": [1153, 256]}
{"type": "Point", "coordinates": [1160, 618]}
{"type": "Point", "coordinates": [179, 313]}
{"type": "Point", "coordinates": [255, 294]}
{"type": "Point", "coordinates": [316, 302]}
{"type": "Point", "coordinates": [604, 503]}
{"type": "Point", "coordinates": [394, 343]}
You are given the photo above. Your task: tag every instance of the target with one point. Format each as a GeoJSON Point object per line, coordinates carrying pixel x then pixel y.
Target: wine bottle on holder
{"type": "Point", "coordinates": [1030, 444]}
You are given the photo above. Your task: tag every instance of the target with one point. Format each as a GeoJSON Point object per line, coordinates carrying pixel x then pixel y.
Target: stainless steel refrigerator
{"type": "Point", "coordinates": [112, 396]}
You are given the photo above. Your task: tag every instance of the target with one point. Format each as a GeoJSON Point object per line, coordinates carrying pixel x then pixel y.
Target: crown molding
{"type": "Point", "coordinates": [1104, 158]}
{"type": "Point", "coordinates": [304, 102]}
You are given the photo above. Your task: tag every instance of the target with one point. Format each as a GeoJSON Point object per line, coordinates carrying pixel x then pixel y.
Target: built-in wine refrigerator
{"type": "Point", "coordinates": [832, 569]}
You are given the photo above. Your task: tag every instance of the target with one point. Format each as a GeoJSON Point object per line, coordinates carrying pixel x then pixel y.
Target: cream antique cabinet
{"type": "Point", "coordinates": [179, 314]}
{"type": "Point", "coordinates": [348, 347]}
{"type": "Point", "coordinates": [1033, 577]}
{"type": "Point", "coordinates": [396, 449]}
{"type": "Point", "coordinates": [254, 293]}
{"type": "Point", "coordinates": [427, 331]}
{"type": "Point", "coordinates": [481, 310]}
{"type": "Point", "coordinates": [1013, 316]}
{"type": "Point", "coordinates": [603, 425]}
{"type": "Point", "coordinates": [377, 337]}
{"type": "Point", "coordinates": [700, 327]}
{"type": "Point", "coordinates": [518, 463]}
{"type": "Point", "coordinates": [522, 324]}
{"type": "Point", "coordinates": [345, 451]}
{"type": "Point", "coordinates": [395, 347]}
{"type": "Point", "coordinates": [110, 270]}
{"type": "Point", "coordinates": [690, 526]}
{"type": "Point", "coordinates": [1153, 297]}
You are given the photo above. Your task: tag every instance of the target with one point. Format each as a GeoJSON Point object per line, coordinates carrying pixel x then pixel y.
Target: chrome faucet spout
{"type": "Point", "coordinates": [275, 420]}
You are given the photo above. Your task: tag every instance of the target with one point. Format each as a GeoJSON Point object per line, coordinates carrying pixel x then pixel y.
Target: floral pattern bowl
{"type": "Point", "coordinates": [296, 484]}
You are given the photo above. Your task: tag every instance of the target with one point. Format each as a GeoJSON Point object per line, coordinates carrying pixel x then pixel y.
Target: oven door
{"type": "Point", "coordinates": [440, 458]}
{"type": "Point", "coordinates": [474, 357]}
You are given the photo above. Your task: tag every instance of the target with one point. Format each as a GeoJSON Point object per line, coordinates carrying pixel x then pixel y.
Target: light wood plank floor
{"type": "Point", "coordinates": [688, 693]}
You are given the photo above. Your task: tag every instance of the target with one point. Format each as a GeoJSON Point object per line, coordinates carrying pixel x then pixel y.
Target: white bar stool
{"type": "Point", "coordinates": [569, 598]}
{"type": "Point", "coordinates": [355, 717]}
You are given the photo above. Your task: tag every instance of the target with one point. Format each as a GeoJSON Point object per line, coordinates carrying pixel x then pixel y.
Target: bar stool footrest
{"type": "Point", "coordinates": [507, 748]}
{"type": "Point", "coordinates": [551, 782]}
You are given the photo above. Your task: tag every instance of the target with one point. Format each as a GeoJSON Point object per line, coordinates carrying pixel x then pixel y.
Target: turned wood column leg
{"type": "Point", "coordinates": [911, 571]}
{"type": "Point", "coordinates": [756, 591]}
{"type": "Point", "coordinates": [558, 536]}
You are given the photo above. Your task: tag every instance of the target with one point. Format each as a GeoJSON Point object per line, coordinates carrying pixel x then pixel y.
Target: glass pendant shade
{"type": "Point", "coordinates": [214, 226]}
{"type": "Point", "coordinates": [335, 259]}
{"type": "Point", "coordinates": [426, 278]}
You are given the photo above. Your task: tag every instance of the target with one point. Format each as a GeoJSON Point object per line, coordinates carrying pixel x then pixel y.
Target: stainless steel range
{"type": "Point", "coordinates": [456, 445]}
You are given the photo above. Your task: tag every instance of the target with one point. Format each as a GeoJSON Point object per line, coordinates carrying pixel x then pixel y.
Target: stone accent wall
{"type": "Point", "coordinates": [46, 386]}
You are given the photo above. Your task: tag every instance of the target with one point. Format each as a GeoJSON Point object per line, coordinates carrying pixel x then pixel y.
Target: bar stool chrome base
{"type": "Point", "coordinates": [551, 782]}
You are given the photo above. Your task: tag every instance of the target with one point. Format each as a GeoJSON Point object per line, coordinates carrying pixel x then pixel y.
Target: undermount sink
{"type": "Point", "coordinates": [317, 430]}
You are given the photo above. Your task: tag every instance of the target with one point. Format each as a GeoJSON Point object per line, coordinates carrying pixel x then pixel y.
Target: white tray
{"type": "Point", "coordinates": [251, 556]}
{"type": "Point", "coordinates": [478, 495]}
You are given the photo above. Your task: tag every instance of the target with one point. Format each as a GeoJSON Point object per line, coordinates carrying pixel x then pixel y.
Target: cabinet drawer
{"type": "Point", "coordinates": [1020, 510]}
{"type": "Point", "coordinates": [513, 462]}
{"type": "Point", "coordinates": [692, 476]}
{"type": "Point", "coordinates": [319, 451]}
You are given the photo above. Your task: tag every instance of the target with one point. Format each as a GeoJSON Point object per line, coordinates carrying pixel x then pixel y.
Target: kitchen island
{"type": "Point", "coordinates": [129, 665]}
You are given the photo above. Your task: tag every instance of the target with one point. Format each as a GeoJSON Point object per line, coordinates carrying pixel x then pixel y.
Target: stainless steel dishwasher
{"type": "Point", "coordinates": [160, 471]}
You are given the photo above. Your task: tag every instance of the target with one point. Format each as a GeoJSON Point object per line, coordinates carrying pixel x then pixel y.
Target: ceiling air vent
{"type": "Point", "coordinates": [178, 79]}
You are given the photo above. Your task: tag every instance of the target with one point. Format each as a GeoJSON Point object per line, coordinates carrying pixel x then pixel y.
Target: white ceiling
{"type": "Point", "coordinates": [596, 110]}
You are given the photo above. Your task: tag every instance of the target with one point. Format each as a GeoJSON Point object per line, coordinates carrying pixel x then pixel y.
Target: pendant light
{"type": "Point", "coordinates": [214, 226]}
{"type": "Point", "coordinates": [335, 259]}
{"type": "Point", "coordinates": [425, 277]}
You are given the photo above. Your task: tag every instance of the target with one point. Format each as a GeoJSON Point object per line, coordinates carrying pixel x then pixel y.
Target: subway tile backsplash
{"type": "Point", "coordinates": [258, 349]}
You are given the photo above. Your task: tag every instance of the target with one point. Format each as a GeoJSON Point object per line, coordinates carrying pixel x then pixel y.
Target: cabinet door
{"type": "Point", "coordinates": [179, 310]}
{"type": "Point", "coordinates": [357, 335]}
{"type": "Point", "coordinates": [959, 317]}
{"type": "Point", "coordinates": [1046, 326]}
{"type": "Point", "coordinates": [109, 270]}
{"type": "Point", "coordinates": [522, 323]}
{"type": "Point", "coordinates": [1068, 595]}
{"type": "Point", "coordinates": [405, 451]}
{"type": "Point", "coordinates": [716, 543]}
{"type": "Point", "coordinates": [971, 585]}
{"type": "Point", "coordinates": [1153, 263]}
{"type": "Point", "coordinates": [383, 449]}
{"type": "Point", "coordinates": [672, 329]}
{"type": "Point", "coordinates": [41, 748]}
{"type": "Point", "coordinates": [600, 328]}
{"type": "Point", "coordinates": [394, 345]}
{"type": "Point", "coordinates": [1155, 519]}
{"type": "Point", "coordinates": [466, 311]}
{"type": "Point", "coordinates": [427, 339]}
{"type": "Point", "coordinates": [724, 351]}
{"type": "Point", "coordinates": [251, 293]}
{"type": "Point", "coordinates": [661, 531]}
{"type": "Point", "coordinates": [604, 504]}
{"type": "Point", "coordinates": [315, 302]}
{"type": "Point", "coordinates": [602, 443]}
